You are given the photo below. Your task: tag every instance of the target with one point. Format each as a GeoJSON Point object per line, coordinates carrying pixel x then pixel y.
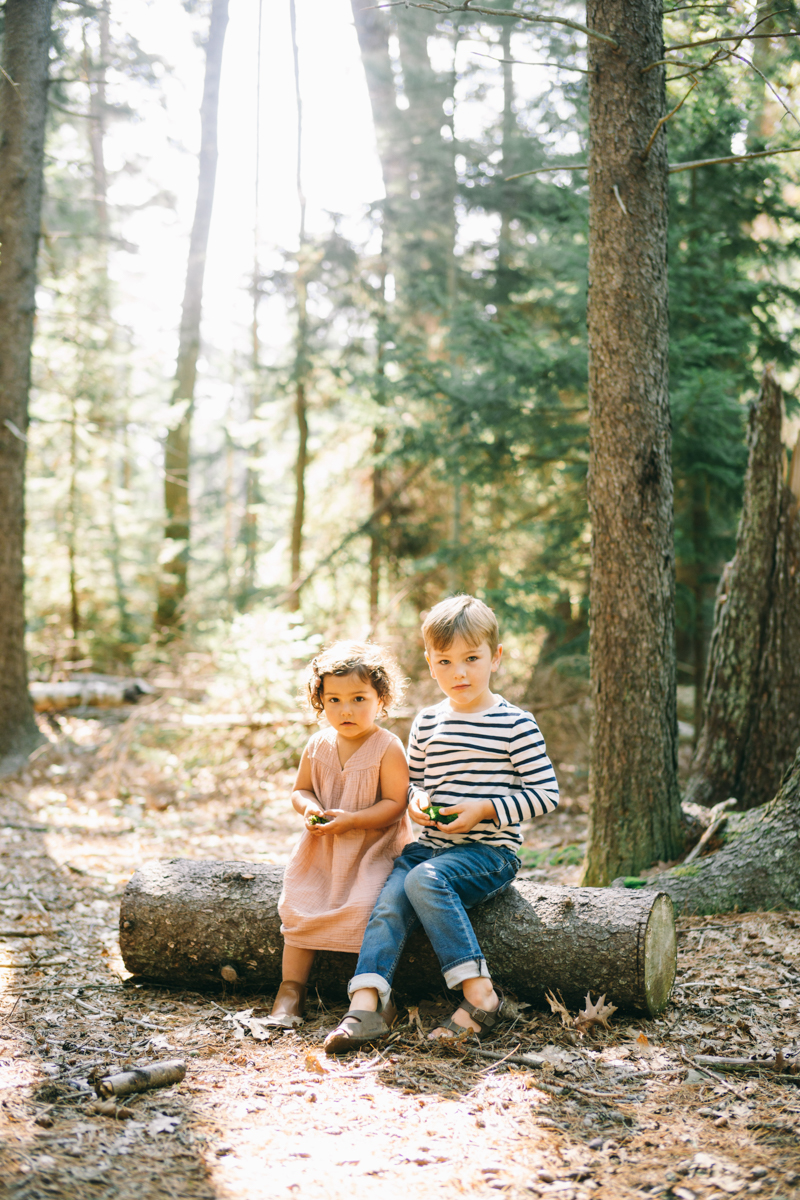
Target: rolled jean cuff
{"type": "Point", "coordinates": [384, 988]}
{"type": "Point", "coordinates": [455, 976]}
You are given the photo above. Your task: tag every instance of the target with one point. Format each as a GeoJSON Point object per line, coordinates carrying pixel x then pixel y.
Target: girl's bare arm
{"type": "Point", "coordinates": [304, 801]}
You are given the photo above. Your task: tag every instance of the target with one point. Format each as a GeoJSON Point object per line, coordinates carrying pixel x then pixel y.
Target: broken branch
{"type": "Point", "coordinates": [142, 1079]}
{"type": "Point", "coordinates": [439, 6]}
{"type": "Point", "coordinates": [663, 120]}
{"type": "Point", "coordinates": [731, 158]}
{"type": "Point", "coordinates": [734, 37]}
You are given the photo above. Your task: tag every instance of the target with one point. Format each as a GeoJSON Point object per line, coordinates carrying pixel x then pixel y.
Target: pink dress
{"type": "Point", "coordinates": [331, 883]}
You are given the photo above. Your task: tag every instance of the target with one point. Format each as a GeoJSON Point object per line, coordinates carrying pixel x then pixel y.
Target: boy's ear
{"type": "Point", "coordinates": [497, 656]}
{"type": "Point", "coordinates": [428, 661]}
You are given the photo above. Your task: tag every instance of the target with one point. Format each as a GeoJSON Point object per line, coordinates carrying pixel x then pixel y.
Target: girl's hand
{"type": "Point", "coordinates": [337, 821]}
{"type": "Point", "coordinates": [470, 813]}
{"type": "Point", "coordinates": [311, 811]}
{"type": "Point", "coordinates": [418, 801]}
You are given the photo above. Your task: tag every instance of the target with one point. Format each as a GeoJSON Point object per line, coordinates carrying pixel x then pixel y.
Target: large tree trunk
{"type": "Point", "coordinates": [173, 581]}
{"type": "Point", "coordinates": [757, 867]}
{"type": "Point", "coordinates": [752, 693]}
{"type": "Point", "coordinates": [184, 921]}
{"type": "Point", "coordinates": [23, 109]}
{"type": "Point", "coordinates": [635, 815]}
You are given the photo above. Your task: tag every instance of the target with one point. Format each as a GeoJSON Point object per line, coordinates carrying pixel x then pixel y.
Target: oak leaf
{"type": "Point", "coordinates": [594, 1014]}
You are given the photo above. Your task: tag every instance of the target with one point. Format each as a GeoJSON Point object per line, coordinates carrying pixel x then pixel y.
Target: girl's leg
{"type": "Point", "coordinates": [297, 963]}
{"type": "Point", "coordinates": [290, 1002]}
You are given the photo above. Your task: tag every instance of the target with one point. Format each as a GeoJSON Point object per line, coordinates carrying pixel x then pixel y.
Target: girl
{"type": "Point", "coordinates": [351, 791]}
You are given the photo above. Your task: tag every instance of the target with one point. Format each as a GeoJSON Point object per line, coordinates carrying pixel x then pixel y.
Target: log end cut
{"type": "Point", "coordinates": [660, 955]}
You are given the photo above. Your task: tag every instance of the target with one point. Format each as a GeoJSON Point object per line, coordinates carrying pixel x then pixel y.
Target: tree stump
{"type": "Point", "coordinates": [752, 692]}
{"type": "Point", "coordinates": [211, 924]}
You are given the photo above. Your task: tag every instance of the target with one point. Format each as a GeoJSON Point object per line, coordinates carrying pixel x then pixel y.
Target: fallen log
{"type": "Point", "coordinates": [757, 866]}
{"type": "Point", "coordinates": [211, 924]}
{"type": "Point", "coordinates": [94, 693]}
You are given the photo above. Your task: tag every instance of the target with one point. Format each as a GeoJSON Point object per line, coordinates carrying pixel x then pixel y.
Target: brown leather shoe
{"type": "Point", "coordinates": [290, 1005]}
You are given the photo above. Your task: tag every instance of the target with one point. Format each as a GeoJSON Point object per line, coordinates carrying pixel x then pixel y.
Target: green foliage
{"type": "Point", "coordinates": [446, 367]}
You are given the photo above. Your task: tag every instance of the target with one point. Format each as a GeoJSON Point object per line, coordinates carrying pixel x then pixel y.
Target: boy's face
{"type": "Point", "coordinates": [464, 673]}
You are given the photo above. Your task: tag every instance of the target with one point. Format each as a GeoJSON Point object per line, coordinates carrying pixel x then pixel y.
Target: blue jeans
{"type": "Point", "coordinates": [433, 887]}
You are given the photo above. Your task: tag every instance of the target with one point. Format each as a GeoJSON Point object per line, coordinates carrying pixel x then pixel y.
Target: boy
{"type": "Point", "coordinates": [484, 761]}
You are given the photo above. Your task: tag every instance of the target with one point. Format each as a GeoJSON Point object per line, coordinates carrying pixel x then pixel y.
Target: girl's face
{"type": "Point", "coordinates": [350, 704]}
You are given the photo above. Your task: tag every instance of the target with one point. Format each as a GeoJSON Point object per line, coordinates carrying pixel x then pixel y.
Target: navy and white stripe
{"type": "Point", "coordinates": [497, 755]}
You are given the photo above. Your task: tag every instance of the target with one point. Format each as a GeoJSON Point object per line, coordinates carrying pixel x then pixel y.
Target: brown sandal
{"type": "Point", "coordinates": [488, 1021]}
{"type": "Point", "coordinates": [290, 1005]}
{"type": "Point", "coordinates": [370, 1027]}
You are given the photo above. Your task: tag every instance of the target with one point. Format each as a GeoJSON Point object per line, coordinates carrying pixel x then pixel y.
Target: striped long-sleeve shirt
{"type": "Point", "coordinates": [498, 755]}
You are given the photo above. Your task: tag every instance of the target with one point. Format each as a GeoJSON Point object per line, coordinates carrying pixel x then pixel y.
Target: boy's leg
{"type": "Point", "coordinates": [370, 989]}
{"type": "Point", "coordinates": [393, 919]}
{"type": "Point", "coordinates": [441, 891]}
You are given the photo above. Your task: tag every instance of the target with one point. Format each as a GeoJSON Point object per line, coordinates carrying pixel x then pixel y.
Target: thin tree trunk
{"type": "Point", "coordinates": [375, 537]}
{"type": "Point", "coordinates": [635, 814]}
{"type": "Point", "coordinates": [301, 364]}
{"type": "Point", "coordinates": [508, 127]}
{"type": "Point", "coordinates": [752, 695]}
{"type": "Point", "coordinates": [252, 487]}
{"type": "Point", "coordinates": [173, 581]}
{"type": "Point", "coordinates": [114, 422]}
{"type": "Point", "coordinates": [23, 109]}
{"type": "Point", "coordinates": [72, 533]}
{"type": "Point", "coordinates": [96, 81]}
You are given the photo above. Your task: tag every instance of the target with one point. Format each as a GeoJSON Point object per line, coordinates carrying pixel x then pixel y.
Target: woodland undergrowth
{"type": "Point", "coordinates": [623, 1111]}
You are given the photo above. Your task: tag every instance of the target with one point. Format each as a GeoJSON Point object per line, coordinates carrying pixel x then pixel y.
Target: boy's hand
{"type": "Point", "coordinates": [418, 801]}
{"type": "Point", "coordinates": [470, 813]}
{"type": "Point", "coordinates": [337, 821]}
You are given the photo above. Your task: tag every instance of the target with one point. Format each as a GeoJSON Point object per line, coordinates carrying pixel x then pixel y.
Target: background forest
{"type": "Point", "coordinates": [390, 401]}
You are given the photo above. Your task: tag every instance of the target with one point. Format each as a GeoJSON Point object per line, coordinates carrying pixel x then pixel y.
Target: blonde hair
{"type": "Point", "coordinates": [372, 664]}
{"type": "Point", "coordinates": [460, 616]}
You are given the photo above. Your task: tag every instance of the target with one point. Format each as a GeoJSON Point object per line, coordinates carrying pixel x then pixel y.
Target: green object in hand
{"type": "Point", "coordinates": [317, 819]}
{"type": "Point", "coordinates": [434, 812]}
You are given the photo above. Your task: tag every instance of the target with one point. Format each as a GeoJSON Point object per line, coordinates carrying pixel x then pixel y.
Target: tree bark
{"type": "Point", "coordinates": [757, 866]}
{"type": "Point", "coordinates": [752, 689]}
{"type": "Point", "coordinates": [635, 815]}
{"type": "Point", "coordinates": [173, 578]}
{"type": "Point", "coordinates": [23, 110]}
{"type": "Point", "coordinates": [183, 921]}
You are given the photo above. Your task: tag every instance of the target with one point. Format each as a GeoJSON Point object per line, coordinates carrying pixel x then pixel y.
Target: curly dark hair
{"type": "Point", "coordinates": [372, 664]}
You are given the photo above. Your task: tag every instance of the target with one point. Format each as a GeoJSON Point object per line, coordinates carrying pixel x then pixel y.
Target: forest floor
{"type": "Point", "coordinates": [620, 1113]}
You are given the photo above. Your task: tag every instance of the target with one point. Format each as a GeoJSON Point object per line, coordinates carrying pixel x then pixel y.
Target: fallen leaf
{"type": "Point", "coordinates": [414, 1017]}
{"type": "Point", "coordinates": [595, 1014]}
{"type": "Point", "coordinates": [108, 1108]}
{"type": "Point", "coordinates": [163, 1123]}
{"type": "Point", "coordinates": [313, 1064]}
{"type": "Point", "coordinates": [558, 1006]}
